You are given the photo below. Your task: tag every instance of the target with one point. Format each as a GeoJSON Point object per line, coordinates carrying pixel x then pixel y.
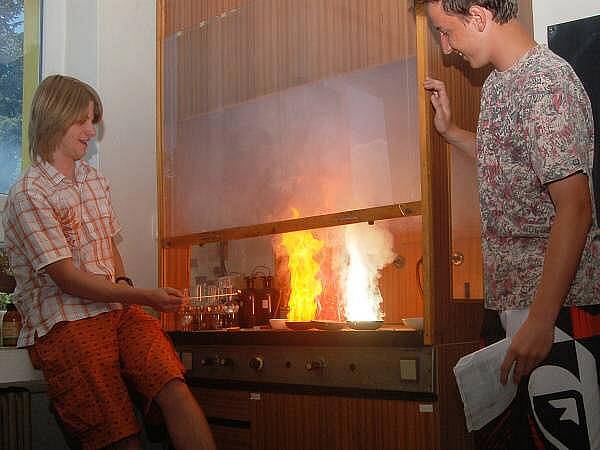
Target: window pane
{"type": "Point", "coordinates": [11, 90]}
{"type": "Point", "coordinates": [327, 123]}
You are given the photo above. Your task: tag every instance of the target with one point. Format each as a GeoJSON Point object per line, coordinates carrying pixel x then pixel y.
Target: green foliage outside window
{"type": "Point", "coordinates": [14, 86]}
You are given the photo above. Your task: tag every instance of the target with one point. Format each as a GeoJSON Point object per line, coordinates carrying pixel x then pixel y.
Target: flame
{"type": "Point", "coordinates": [369, 250]}
{"type": "Point", "coordinates": [362, 302]}
{"type": "Point", "coordinates": [302, 247]}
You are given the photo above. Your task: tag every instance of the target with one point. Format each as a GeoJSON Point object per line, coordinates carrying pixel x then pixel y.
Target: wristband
{"type": "Point", "coordinates": [125, 279]}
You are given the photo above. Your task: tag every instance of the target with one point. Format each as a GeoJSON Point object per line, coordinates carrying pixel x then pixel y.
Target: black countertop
{"type": "Point", "coordinates": [383, 337]}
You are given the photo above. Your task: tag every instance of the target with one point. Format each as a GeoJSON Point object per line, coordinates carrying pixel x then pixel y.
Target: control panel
{"type": "Point", "coordinates": [380, 368]}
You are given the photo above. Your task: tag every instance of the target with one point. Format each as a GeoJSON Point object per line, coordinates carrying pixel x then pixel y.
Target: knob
{"type": "Point", "coordinates": [256, 363]}
{"type": "Point", "coordinates": [315, 364]}
{"type": "Point", "coordinates": [223, 361]}
{"type": "Point", "coordinates": [208, 361]}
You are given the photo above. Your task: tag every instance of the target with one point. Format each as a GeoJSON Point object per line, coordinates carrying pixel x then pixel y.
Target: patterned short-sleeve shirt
{"type": "Point", "coordinates": [47, 218]}
{"type": "Point", "coordinates": [535, 127]}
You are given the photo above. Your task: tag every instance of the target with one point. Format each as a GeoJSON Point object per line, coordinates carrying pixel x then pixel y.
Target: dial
{"type": "Point", "coordinates": [224, 361]}
{"type": "Point", "coordinates": [208, 361]}
{"type": "Point", "coordinates": [256, 363]}
{"type": "Point", "coordinates": [316, 364]}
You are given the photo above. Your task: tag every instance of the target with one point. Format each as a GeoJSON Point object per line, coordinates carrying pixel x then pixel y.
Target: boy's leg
{"type": "Point", "coordinates": [154, 370]}
{"type": "Point", "coordinates": [185, 420]}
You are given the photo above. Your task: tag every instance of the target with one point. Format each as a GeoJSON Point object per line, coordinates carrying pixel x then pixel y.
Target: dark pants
{"type": "Point", "coordinates": [557, 405]}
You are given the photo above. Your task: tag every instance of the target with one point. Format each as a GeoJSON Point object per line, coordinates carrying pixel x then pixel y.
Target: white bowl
{"type": "Point", "coordinates": [278, 324]}
{"type": "Point", "coordinates": [413, 322]}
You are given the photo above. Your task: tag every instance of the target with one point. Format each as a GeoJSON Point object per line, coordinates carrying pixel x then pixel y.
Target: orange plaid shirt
{"type": "Point", "coordinates": [47, 218]}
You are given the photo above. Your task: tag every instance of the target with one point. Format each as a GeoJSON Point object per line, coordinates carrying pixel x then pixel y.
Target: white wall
{"type": "Point", "coordinates": [127, 83]}
{"type": "Point", "coordinates": [111, 45]}
{"type": "Point", "coordinates": [550, 12]}
{"type": "Point", "coordinates": [54, 38]}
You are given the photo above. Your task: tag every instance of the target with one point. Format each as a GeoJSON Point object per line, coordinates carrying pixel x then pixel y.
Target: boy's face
{"type": "Point", "coordinates": [74, 143]}
{"type": "Point", "coordinates": [458, 34]}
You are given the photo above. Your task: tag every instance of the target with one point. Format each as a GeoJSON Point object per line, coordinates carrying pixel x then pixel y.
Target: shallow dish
{"type": "Point", "coordinates": [329, 325]}
{"type": "Point", "coordinates": [299, 325]}
{"type": "Point", "coordinates": [413, 322]}
{"type": "Point", "coordinates": [278, 324]}
{"type": "Point", "coordinates": [365, 324]}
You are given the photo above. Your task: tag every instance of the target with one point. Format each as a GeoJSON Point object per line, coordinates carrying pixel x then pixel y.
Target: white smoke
{"type": "Point", "coordinates": [370, 249]}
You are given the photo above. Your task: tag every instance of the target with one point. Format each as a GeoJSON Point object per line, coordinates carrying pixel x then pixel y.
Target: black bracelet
{"type": "Point", "coordinates": [125, 279]}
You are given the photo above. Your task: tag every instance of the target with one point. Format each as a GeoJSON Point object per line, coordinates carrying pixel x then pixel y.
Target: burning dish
{"type": "Point", "coordinates": [413, 322]}
{"type": "Point", "coordinates": [278, 324]}
{"type": "Point", "coordinates": [299, 325]}
{"type": "Point", "coordinates": [365, 324]}
{"type": "Point", "coordinates": [329, 325]}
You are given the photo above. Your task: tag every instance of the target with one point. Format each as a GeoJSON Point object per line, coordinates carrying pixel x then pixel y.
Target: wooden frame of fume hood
{"type": "Point", "coordinates": [434, 207]}
{"type": "Point", "coordinates": [368, 215]}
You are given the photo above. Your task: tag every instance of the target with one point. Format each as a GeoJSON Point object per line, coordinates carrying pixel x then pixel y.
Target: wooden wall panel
{"type": "Point", "coordinates": [452, 423]}
{"type": "Point", "coordinates": [183, 14]}
{"type": "Point", "coordinates": [231, 52]}
{"type": "Point", "coordinates": [402, 296]}
{"type": "Point", "coordinates": [175, 272]}
{"type": "Point", "coordinates": [470, 271]}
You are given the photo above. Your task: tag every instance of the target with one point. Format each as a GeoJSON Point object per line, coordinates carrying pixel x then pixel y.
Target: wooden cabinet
{"type": "Point", "coordinates": [278, 421]}
{"type": "Point", "coordinates": [229, 415]}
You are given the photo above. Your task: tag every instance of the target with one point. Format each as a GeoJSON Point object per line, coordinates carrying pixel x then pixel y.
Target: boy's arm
{"type": "Point", "coordinates": [97, 288]}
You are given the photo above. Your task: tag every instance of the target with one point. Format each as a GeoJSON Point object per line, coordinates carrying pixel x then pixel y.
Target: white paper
{"type": "Point", "coordinates": [478, 378]}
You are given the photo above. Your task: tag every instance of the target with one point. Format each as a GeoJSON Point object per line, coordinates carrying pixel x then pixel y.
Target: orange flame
{"type": "Point", "coordinates": [302, 247]}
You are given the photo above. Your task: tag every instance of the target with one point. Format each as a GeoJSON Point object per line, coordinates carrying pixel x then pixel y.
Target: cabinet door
{"type": "Point", "coordinates": [304, 422]}
{"type": "Point", "coordinates": [227, 412]}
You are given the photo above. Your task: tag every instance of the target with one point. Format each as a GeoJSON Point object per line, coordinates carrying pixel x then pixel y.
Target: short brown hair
{"type": "Point", "coordinates": [58, 103]}
{"type": "Point", "coordinates": [502, 10]}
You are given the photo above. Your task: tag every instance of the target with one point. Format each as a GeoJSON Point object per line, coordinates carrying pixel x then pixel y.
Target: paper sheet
{"type": "Point", "coordinates": [478, 378]}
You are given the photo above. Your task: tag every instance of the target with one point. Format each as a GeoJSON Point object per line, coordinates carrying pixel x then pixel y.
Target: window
{"type": "Point", "coordinates": [19, 75]}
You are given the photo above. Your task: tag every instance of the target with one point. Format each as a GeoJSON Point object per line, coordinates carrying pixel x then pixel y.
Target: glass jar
{"type": "Point", "coordinates": [247, 310]}
{"type": "Point", "coordinates": [11, 326]}
{"type": "Point", "coordinates": [268, 300]}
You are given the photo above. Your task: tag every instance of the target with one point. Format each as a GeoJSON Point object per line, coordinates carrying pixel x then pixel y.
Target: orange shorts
{"type": "Point", "coordinates": [89, 364]}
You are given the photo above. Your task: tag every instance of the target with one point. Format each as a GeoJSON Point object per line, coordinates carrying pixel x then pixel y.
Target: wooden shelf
{"type": "Point", "coordinates": [369, 215]}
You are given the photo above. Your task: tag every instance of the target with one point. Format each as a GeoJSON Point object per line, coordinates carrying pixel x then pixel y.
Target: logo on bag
{"type": "Point", "coordinates": [555, 392]}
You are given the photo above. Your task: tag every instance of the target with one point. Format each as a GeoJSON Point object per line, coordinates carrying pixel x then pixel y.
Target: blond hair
{"type": "Point", "coordinates": [58, 103]}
